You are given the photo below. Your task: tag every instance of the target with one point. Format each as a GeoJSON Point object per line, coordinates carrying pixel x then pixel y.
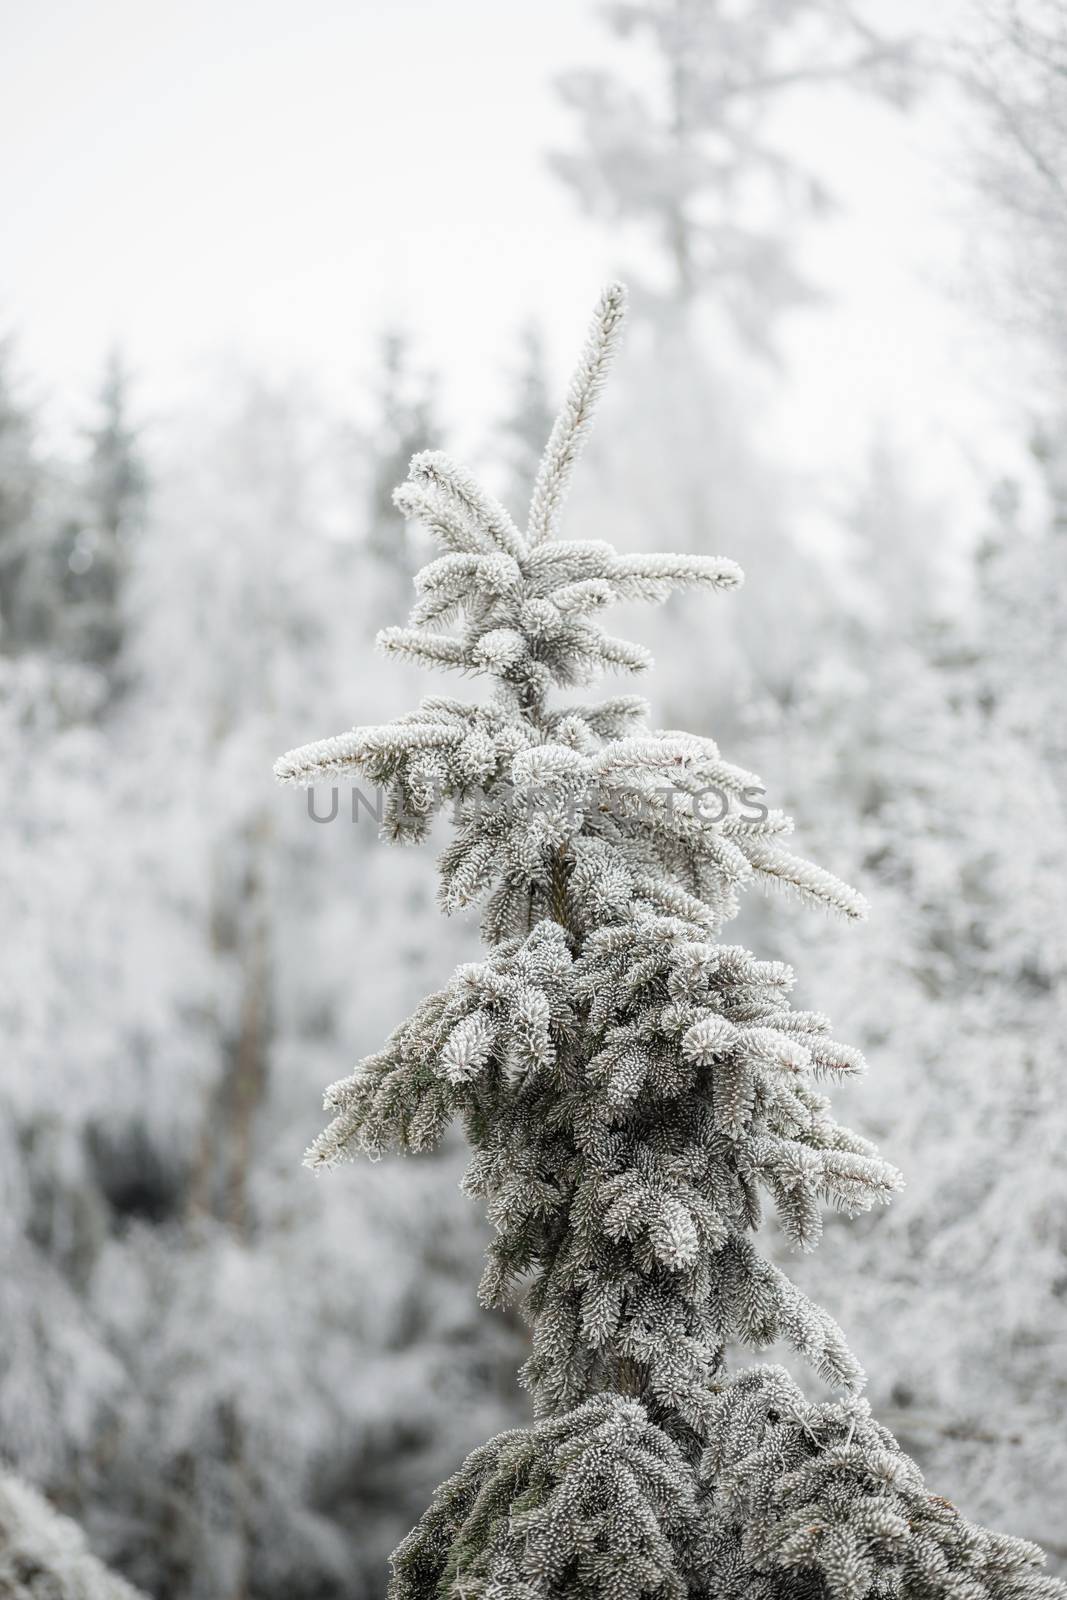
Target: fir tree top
{"type": "Point", "coordinates": [633, 1089]}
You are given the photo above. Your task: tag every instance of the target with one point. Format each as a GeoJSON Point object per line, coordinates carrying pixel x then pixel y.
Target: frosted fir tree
{"type": "Point", "coordinates": [632, 1088]}
{"type": "Point", "coordinates": [403, 422]}
{"type": "Point", "coordinates": [110, 515]}
{"type": "Point", "coordinates": [27, 599]}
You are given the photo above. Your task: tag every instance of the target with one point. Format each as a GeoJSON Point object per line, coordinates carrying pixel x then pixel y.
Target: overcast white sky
{"type": "Point", "coordinates": [279, 178]}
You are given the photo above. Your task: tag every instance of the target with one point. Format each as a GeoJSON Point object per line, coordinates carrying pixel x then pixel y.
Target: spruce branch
{"type": "Point", "coordinates": [453, 487]}
{"type": "Point", "coordinates": [573, 425]}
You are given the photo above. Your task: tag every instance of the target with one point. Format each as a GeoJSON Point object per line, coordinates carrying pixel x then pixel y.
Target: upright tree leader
{"type": "Point", "coordinates": [631, 1088]}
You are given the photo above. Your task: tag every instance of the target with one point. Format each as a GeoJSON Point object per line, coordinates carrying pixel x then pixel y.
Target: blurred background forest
{"type": "Point", "coordinates": [259, 255]}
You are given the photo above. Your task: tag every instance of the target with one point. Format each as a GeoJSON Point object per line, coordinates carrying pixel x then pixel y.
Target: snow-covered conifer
{"type": "Point", "coordinates": [403, 422]}
{"type": "Point", "coordinates": [99, 537]}
{"type": "Point", "coordinates": [27, 598]}
{"type": "Point", "coordinates": [634, 1089]}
